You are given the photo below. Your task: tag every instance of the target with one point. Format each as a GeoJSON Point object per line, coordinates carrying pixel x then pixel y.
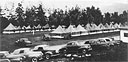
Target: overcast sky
{"type": "Point", "coordinates": [104, 5]}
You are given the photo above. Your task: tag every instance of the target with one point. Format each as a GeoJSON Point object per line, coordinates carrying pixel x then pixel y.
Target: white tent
{"type": "Point", "coordinates": [46, 26]}
{"type": "Point", "coordinates": [39, 26]}
{"type": "Point", "coordinates": [93, 26]}
{"type": "Point", "coordinates": [88, 27]}
{"type": "Point", "coordinates": [28, 27]}
{"type": "Point", "coordinates": [101, 26]}
{"type": "Point", "coordinates": [116, 25]}
{"type": "Point", "coordinates": [24, 27]}
{"type": "Point", "coordinates": [59, 30]}
{"type": "Point", "coordinates": [111, 25]}
{"type": "Point", "coordinates": [80, 28]}
{"type": "Point", "coordinates": [10, 27]}
{"type": "Point", "coordinates": [106, 26]}
{"type": "Point", "coordinates": [71, 29]}
{"type": "Point", "coordinates": [18, 27]}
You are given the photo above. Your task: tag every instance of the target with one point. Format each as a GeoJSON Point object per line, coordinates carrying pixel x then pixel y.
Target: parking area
{"type": "Point", "coordinates": [116, 53]}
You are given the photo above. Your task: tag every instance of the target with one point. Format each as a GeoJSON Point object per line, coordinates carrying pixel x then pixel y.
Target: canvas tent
{"type": "Point", "coordinates": [71, 29]}
{"type": "Point", "coordinates": [28, 27]}
{"type": "Point", "coordinates": [46, 26]}
{"type": "Point", "coordinates": [93, 26]}
{"type": "Point", "coordinates": [116, 25]}
{"type": "Point", "coordinates": [111, 25]}
{"type": "Point", "coordinates": [24, 27]}
{"type": "Point", "coordinates": [106, 26]}
{"type": "Point", "coordinates": [59, 30]}
{"type": "Point", "coordinates": [80, 28]}
{"type": "Point", "coordinates": [9, 29]}
{"type": "Point", "coordinates": [101, 26]}
{"type": "Point", "coordinates": [88, 27]}
{"type": "Point", "coordinates": [39, 26]}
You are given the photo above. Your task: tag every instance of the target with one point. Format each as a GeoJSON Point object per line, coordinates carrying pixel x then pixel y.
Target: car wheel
{"type": "Point", "coordinates": [48, 56]}
{"type": "Point", "coordinates": [34, 59]}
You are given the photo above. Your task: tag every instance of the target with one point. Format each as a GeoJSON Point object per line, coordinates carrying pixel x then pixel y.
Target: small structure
{"type": "Point", "coordinates": [10, 29]}
{"type": "Point", "coordinates": [124, 34]}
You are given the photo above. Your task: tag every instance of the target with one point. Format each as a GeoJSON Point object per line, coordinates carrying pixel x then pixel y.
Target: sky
{"type": "Point", "coordinates": [104, 5]}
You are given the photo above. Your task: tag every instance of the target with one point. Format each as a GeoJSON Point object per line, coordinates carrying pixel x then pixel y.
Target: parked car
{"type": "Point", "coordinates": [47, 53]}
{"type": "Point", "coordinates": [112, 40]}
{"type": "Point", "coordinates": [23, 54]}
{"type": "Point", "coordinates": [75, 48]}
{"type": "Point", "coordinates": [3, 56]}
{"type": "Point", "coordinates": [23, 42]}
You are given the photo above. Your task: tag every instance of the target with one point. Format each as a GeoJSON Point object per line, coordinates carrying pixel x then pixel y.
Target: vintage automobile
{"type": "Point", "coordinates": [3, 56]}
{"type": "Point", "coordinates": [47, 53]}
{"type": "Point", "coordinates": [23, 54]}
{"type": "Point", "coordinates": [75, 48]}
{"type": "Point", "coordinates": [113, 41]}
{"type": "Point", "coordinates": [23, 42]}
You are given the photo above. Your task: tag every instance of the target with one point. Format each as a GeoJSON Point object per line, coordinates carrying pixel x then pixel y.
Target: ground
{"type": "Point", "coordinates": [116, 53]}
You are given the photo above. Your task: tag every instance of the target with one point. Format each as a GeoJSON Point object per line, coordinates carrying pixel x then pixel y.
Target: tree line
{"type": "Point", "coordinates": [36, 15]}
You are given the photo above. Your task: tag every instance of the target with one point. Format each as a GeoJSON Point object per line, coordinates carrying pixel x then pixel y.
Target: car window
{"type": "Point", "coordinates": [22, 51]}
{"type": "Point", "coordinates": [69, 44]}
{"type": "Point", "coordinates": [107, 40]}
{"type": "Point", "coordinates": [87, 42]}
{"type": "Point", "coordinates": [40, 48]}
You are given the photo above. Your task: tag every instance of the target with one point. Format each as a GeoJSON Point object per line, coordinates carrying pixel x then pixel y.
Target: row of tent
{"type": "Point", "coordinates": [62, 29]}
{"type": "Point", "coordinates": [87, 27]}
{"type": "Point", "coordinates": [12, 27]}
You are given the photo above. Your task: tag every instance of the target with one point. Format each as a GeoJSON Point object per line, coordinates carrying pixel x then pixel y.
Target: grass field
{"type": "Point", "coordinates": [7, 40]}
{"type": "Point", "coordinates": [118, 53]}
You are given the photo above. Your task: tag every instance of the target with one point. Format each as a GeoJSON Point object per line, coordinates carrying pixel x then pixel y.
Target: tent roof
{"type": "Point", "coordinates": [93, 26]}
{"type": "Point", "coordinates": [111, 25]}
{"type": "Point", "coordinates": [59, 30]}
{"type": "Point", "coordinates": [106, 25]}
{"type": "Point", "coordinates": [39, 26]}
{"type": "Point", "coordinates": [101, 26]}
{"type": "Point", "coordinates": [71, 29]}
{"type": "Point", "coordinates": [24, 27]}
{"type": "Point", "coordinates": [18, 27]}
{"type": "Point", "coordinates": [28, 27]}
{"type": "Point", "coordinates": [10, 27]}
{"type": "Point", "coordinates": [88, 26]}
{"type": "Point", "coordinates": [80, 28]}
{"type": "Point", "coordinates": [46, 26]}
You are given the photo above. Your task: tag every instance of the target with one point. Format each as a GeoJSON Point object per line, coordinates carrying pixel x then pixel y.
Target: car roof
{"type": "Point", "coordinates": [77, 42]}
{"type": "Point", "coordinates": [23, 49]}
{"type": "Point", "coordinates": [41, 45]}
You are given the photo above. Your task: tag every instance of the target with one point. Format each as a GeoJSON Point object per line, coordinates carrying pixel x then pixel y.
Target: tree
{"type": "Point", "coordinates": [20, 16]}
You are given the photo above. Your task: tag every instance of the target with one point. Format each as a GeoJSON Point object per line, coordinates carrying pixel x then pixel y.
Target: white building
{"type": "Point", "coordinates": [124, 34]}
